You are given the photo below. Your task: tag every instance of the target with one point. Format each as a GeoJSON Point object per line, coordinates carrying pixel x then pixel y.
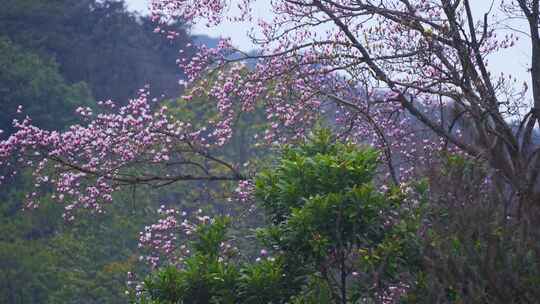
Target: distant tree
{"type": "Point", "coordinates": [45, 260]}
{"type": "Point", "coordinates": [35, 84]}
{"type": "Point", "coordinates": [99, 42]}
{"type": "Point", "coordinates": [409, 56]}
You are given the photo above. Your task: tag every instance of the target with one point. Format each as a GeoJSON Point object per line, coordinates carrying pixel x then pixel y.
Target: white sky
{"type": "Point", "coordinates": [236, 31]}
{"type": "Point", "coordinates": [514, 61]}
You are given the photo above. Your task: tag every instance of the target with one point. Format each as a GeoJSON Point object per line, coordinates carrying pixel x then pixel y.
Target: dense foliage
{"type": "Point", "coordinates": [330, 237]}
{"type": "Point", "coordinates": [34, 84]}
{"type": "Point", "coordinates": [442, 208]}
{"type": "Point", "coordinates": [56, 56]}
{"type": "Point", "coordinates": [114, 51]}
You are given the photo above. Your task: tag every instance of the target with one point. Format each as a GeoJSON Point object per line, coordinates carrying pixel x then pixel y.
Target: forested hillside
{"type": "Point", "coordinates": [56, 56]}
{"type": "Point", "coordinates": [365, 152]}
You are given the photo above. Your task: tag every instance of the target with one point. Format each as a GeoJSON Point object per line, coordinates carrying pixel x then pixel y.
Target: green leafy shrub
{"type": "Point", "coordinates": [332, 237]}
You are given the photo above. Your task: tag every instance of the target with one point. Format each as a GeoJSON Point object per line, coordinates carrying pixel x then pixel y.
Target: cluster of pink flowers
{"type": "Point", "coordinates": [188, 10]}
{"type": "Point", "coordinates": [160, 239]}
{"type": "Point", "coordinates": [165, 242]}
{"type": "Point", "coordinates": [306, 60]}
{"type": "Point", "coordinates": [305, 56]}
{"type": "Point", "coordinates": [84, 165]}
{"type": "Point", "coordinates": [244, 191]}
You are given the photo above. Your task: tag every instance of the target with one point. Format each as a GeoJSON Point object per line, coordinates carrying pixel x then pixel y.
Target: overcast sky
{"type": "Point", "coordinates": [514, 61]}
{"type": "Point", "coordinates": [235, 31]}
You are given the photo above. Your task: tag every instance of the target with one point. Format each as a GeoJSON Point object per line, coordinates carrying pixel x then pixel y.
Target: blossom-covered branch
{"type": "Point", "coordinates": [134, 144]}
{"type": "Point", "coordinates": [423, 59]}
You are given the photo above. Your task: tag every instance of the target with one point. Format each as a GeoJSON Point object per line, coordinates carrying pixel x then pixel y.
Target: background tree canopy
{"type": "Point", "coordinates": [35, 83]}
{"type": "Point", "coordinates": [98, 42]}
{"type": "Point", "coordinates": [56, 56]}
{"type": "Point", "coordinates": [443, 208]}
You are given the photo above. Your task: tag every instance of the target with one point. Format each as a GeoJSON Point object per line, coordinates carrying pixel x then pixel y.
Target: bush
{"type": "Point", "coordinates": [475, 251]}
{"type": "Point", "coordinates": [331, 237]}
